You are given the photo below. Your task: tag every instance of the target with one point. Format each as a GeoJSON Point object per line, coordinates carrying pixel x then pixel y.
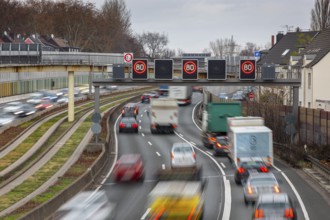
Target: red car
{"type": "Point", "coordinates": [129, 167]}
{"type": "Point", "coordinates": [44, 105]}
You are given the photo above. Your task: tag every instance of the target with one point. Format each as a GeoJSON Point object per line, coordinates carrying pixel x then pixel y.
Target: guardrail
{"type": "Point", "coordinates": [321, 168]}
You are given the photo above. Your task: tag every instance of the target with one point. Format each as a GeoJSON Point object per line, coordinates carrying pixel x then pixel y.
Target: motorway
{"type": "Point", "coordinates": [224, 199]}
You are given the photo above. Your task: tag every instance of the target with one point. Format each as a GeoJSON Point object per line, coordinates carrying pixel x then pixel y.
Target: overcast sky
{"type": "Point", "coordinates": [192, 24]}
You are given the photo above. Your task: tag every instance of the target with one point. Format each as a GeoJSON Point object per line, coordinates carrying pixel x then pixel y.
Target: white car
{"type": "Point", "coordinates": [183, 155]}
{"type": "Point", "coordinates": [6, 118]}
{"type": "Point", "coordinates": [86, 205]}
{"type": "Point", "coordinates": [12, 107]}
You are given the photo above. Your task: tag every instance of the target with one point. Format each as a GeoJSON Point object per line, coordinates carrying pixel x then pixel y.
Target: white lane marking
{"type": "Point", "coordinates": [149, 143]}
{"type": "Point", "coordinates": [142, 135]}
{"type": "Point", "coordinates": [227, 189]}
{"type": "Point", "coordinates": [227, 206]}
{"type": "Point", "coordinates": [158, 154]}
{"type": "Point", "coordinates": [139, 127]}
{"type": "Point", "coordinates": [145, 214]}
{"type": "Point", "coordinates": [193, 113]}
{"type": "Point", "coordinates": [223, 165]}
{"type": "Point", "coordinates": [192, 143]}
{"type": "Point", "coordinates": [145, 110]}
{"type": "Point", "coordinates": [302, 205]}
{"type": "Point", "coordinates": [141, 115]}
{"type": "Point", "coordinates": [139, 121]}
{"type": "Point", "coordinates": [116, 156]}
{"type": "Point", "coordinates": [163, 166]}
{"type": "Point", "coordinates": [181, 134]}
{"type": "Point", "coordinates": [209, 153]}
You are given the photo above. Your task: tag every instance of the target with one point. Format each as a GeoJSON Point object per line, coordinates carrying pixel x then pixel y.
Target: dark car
{"type": "Point", "coordinates": [274, 206]}
{"type": "Point", "coordinates": [130, 110]}
{"type": "Point", "coordinates": [248, 165]}
{"type": "Point", "coordinates": [25, 110]}
{"type": "Point", "coordinates": [128, 124]}
{"type": "Point", "coordinates": [129, 167]}
{"type": "Point", "coordinates": [145, 98]}
{"type": "Point", "coordinates": [220, 146]}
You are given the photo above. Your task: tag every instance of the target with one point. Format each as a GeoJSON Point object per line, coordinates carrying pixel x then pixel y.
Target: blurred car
{"type": "Point", "coordinates": [35, 99]}
{"type": "Point", "coordinates": [145, 98]}
{"type": "Point", "coordinates": [198, 89]}
{"type": "Point", "coordinates": [223, 95]}
{"type": "Point", "coordinates": [259, 183]}
{"type": "Point", "coordinates": [182, 155]}
{"type": "Point", "coordinates": [274, 206]}
{"type": "Point", "coordinates": [25, 110]}
{"type": "Point", "coordinates": [129, 167]}
{"type": "Point", "coordinates": [128, 124]}
{"type": "Point", "coordinates": [44, 105]}
{"type": "Point", "coordinates": [130, 110]}
{"type": "Point", "coordinates": [12, 107]}
{"type": "Point", "coordinates": [6, 118]}
{"type": "Point", "coordinates": [154, 94]}
{"type": "Point", "coordinates": [85, 206]}
{"type": "Point", "coordinates": [220, 146]}
{"type": "Point", "coordinates": [63, 99]}
{"type": "Point", "coordinates": [247, 166]}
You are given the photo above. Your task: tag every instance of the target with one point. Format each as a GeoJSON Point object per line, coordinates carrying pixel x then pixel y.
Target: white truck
{"type": "Point", "coordinates": [249, 138]}
{"type": "Point", "coordinates": [164, 115]}
{"type": "Point", "coordinates": [181, 93]}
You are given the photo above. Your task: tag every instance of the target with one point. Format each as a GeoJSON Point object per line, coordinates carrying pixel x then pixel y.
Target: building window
{"type": "Point", "coordinates": [309, 80]}
{"type": "Point", "coordinates": [300, 103]}
{"type": "Point", "coordinates": [309, 105]}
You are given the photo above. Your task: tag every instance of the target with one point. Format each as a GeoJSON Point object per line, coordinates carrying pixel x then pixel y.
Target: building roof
{"type": "Point", "coordinates": [289, 45]}
{"type": "Point", "coordinates": [319, 47]}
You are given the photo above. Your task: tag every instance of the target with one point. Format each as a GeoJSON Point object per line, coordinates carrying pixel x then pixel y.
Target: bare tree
{"type": "Point", "coordinates": [320, 15]}
{"type": "Point", "coordinates": [223, 47]}
{"type": "Point", "coordinates": [154, 44]}
{"type": "Point", "coordinates": [249, 49]}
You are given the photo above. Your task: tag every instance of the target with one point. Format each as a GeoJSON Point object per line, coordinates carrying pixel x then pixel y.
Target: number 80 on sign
{"type": "Point", "coordinates": [140, 69]}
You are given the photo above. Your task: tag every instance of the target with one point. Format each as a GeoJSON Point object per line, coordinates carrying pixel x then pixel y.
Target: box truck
{"type": "Point", "coordinates": [164, 115]}
{"type": "Point", "coordinates": [248, 137]}
{"type": "Point", "coordinates": [182, 94]}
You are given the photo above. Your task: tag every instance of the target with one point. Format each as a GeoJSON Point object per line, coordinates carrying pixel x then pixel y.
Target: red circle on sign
{"type": "Point", "coordinates": [139, 67]}
{"type": "Point", "coordinates": [190, 67]}
{"type": "Point", "coordinates": [247, 67]}
{"type": "Point", "coordinates": [128, 57]}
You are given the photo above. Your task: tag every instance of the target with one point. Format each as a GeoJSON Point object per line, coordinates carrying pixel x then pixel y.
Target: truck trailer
{"type": "Point", "coordinates": [249, 138]}
{"type": "Point", "coordinates": [214, 121]}
{"type": "Point", "coordinates": [164, 115]}
{"type": "Point", "coordinates": [182, 94]}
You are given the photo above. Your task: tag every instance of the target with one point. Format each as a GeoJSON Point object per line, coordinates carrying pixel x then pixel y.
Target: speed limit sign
{"type": "Point", "coordinates": [140, 69]}
{"type": "Point", "coordinates": [247, 70]}
{"type": "Point", "coordinates": [128, 57]}
{"type": "Point", "coordinates": [190, 69]}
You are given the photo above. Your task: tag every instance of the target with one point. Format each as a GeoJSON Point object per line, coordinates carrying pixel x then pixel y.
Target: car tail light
{"type": "Point", "coordinates": [135, 125]}
{"type": "Point", "coordinates": [122, 111]}
{"type": "Point", "coordinates": [264, 169]}
{"type": "Point", "coordinates": [122, 125]}
{"type": "Point", "coordinates": [240, 170]}
{"type": "Point", "coordinates": [38, 106]}
{"type": "Point", "coordinates": [194, 155]}
{"type": "Point", "coordinates": [212, 139]}
{"type": "Point", "coordinates": [288, 213]}
{"type": "Point", "coordinates": [172, 156]}
{"type": "Point", "coordinates": [250, 190]}
{"type": "Point", "coordinates": [276, 189]}
{"type": "Point", "coordinates": [174, 126]}
{"type": "Point", "coordinates": [259, 213]}
{"type": "Point", "coordinates": [142, 97]}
